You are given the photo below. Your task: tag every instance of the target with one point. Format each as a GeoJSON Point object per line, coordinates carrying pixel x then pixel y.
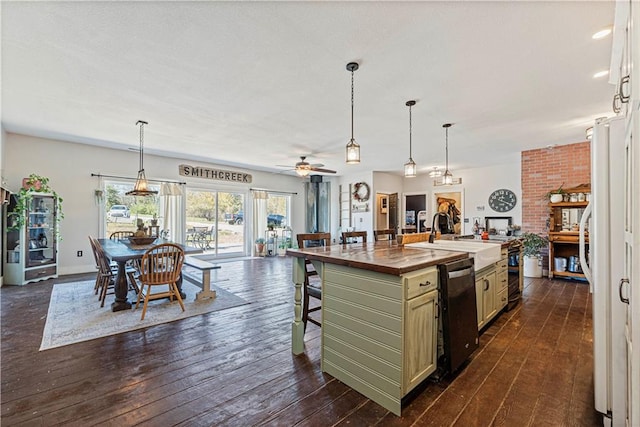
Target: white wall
{"type": "Point", "coordinates": [69, 167]}
{"type": "Point", "coordinates": [479, 183]}
{"type": "Point", "coordinates": [3, 136]}
{"type": "Point", "coordinates": [360, 220]}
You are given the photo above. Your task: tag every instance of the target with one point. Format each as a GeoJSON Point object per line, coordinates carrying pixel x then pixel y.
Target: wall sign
{"type": "Point", "coordinates": [214, 174]}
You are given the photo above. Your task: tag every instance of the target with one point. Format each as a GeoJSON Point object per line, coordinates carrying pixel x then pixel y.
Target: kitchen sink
{"type": "Point", "coordinates": [484, 254]}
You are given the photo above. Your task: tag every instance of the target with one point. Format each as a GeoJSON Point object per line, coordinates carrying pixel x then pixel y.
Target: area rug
{"type": "Point", "coordinates": [75, 314]}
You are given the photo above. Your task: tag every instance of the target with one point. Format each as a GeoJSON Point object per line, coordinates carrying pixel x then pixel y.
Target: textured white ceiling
{"type": "Point", "coordinates": [258, 84]}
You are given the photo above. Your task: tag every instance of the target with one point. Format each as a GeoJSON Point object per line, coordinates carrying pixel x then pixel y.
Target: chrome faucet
{"type": "Point", "coordinates": [432, 236]}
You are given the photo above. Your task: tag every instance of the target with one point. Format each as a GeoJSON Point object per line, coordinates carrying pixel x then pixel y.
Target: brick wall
{"type": "Point", "coordinates": [544, 170]}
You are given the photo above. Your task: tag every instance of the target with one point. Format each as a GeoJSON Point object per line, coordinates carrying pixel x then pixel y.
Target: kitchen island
{"type": "Point", "coordinates": [379, 315]}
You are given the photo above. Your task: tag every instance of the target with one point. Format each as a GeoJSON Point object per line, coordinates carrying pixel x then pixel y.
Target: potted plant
{"type": "Point", "coordinates": [283, 246]}
{"type": "Point", "coordinates": [260, 245]}
{"type": "Point", "coordinates": [33, 184]}
{"type": "Point", "coordinates": [555, 196]}
{"type": "Point", "coordinates": [532, 243]}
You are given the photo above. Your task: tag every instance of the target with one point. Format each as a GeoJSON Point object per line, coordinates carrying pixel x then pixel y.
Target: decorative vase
{"type": "Point", "coordinates": [259, 248]}
{"type": "Point", "coordinates": [555, 198]}
{"type": "Point", "coordinates": [532, 267]}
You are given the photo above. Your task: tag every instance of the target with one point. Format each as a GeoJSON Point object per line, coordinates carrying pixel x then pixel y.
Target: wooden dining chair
{"type": "Point", "coordinates": [119, 235]}
{"type": "Point", "coordinates": [353, 236]}
{"type": "Point", "coordinates": [161, 266]}
{"type": "Point", "coordinates": [133, 266]}
{"type": "Point", "coordinates": [94, 251]}
{"type": "Point", "coordinates": [311, 288]}
{"type": "Point", "coordinates": [384, 234]}
{"type": "Point", "coordinates": [106, 273]}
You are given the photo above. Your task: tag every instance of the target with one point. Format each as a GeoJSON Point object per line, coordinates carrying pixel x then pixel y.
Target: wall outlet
{"type": "Point", "coordinates": [79, 253]}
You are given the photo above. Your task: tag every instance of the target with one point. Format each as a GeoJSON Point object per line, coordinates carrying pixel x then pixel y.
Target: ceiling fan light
{"type": "Point", "coordinates": [353, 152]}
{"type": "Point", "coordinates": [303, 170]}
{"type": "Point", "coordinates": [410, 169]}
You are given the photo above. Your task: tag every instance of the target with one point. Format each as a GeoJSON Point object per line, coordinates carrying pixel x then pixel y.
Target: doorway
{"type": "Point", "coordinates": [215, 222]}
{"type": "Point", "coordinates": [387, 211]}
{"type": "Point", "coordinates": [415, 213]}
{"type": "Point", "coordinates": [449, 203]}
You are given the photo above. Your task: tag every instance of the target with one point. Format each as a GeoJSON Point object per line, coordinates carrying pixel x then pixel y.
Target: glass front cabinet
{"type": "Point", "coordinates": [31, 252]}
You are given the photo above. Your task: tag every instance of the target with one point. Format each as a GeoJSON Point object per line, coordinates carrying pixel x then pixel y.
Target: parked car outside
{"type": "Point", "coordinates": [276, 220]}
{"type": "Point", "coordinates": [119, 211]}
{"type": "Point", "coordinates": [272, 219]}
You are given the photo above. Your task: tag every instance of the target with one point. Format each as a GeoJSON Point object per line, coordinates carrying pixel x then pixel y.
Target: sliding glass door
{"type": "Point", "coordinates": [215, 222]}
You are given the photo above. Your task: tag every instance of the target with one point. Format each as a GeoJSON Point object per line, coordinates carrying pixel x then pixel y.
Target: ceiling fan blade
{"type": "Point", "coordinates": [316, 165]}
{"type": "Point", "coordinates": [285, 166]}
{"type": "Point", "coordinates": [322, 170]}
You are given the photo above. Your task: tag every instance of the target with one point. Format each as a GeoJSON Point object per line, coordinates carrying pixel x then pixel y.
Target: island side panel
{"type": "Point", "coordinates": [362, 332]}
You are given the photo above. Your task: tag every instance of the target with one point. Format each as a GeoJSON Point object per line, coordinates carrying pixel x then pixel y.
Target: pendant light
{"type": "Point", "coordinates": [410, 166]}
{"type": "Point", "coordinates": [435, 172]}
{"type": "Point", "coordinates": [141, 188]}
{"type": "Point", "coordinates": [353, 149]}
{"type": "Point", "coordinates": [447, 179]}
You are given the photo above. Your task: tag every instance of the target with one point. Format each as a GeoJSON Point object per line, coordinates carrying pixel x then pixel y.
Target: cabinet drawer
{"type": "Point", "coordinates": [501, 301]}
{"type": "Point", "coordinates": [501, 266]}
{"type": "Point", "coordinates": [40, 272]}
{"type": "Point", "coordinates": [502, 280]}
{"type": "Point", "coordinates": [420, 282]}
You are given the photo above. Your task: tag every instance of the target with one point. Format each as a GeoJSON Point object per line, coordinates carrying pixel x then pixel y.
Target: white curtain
{"type": "Point", "coordinates": [172, 203]}
{"type": "Point", "coordinates": [259, 215]}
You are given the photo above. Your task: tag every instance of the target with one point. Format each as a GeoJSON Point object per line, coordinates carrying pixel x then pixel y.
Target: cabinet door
{"type": "Point", "coordinates": [40, 235]}
{"type": "Point", "coordinates": [489, 296]}
{"type": "Point", "coordinates": [421, 328]}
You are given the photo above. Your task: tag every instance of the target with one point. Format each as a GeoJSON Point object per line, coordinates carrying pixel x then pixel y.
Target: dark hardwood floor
{"type": "Point", "coordinates": [235, 367]}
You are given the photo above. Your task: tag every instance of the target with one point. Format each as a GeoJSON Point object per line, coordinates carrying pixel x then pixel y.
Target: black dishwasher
{"type": "Point", "coordinates": [459, 319]}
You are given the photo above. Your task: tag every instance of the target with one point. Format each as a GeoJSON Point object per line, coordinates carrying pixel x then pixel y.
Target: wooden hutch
{"type": "Point", "coordinates": [564, 232]}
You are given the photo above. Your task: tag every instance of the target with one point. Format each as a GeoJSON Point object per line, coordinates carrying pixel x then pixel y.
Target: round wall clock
{"type": "Point", "coordinates": [502, 200]}
{"type": "Point", "coordinates": [361, 191]}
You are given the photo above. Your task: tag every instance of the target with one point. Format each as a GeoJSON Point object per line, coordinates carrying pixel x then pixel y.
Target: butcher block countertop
{"type": "Point", "coordinates": [382, 257]}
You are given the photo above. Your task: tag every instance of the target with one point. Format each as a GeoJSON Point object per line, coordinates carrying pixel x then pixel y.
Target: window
{"type": "Point", "coordinates": [122, 212]}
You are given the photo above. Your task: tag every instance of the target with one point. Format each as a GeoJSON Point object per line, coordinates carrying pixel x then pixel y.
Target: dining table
{"type": "Point", "coordinates": [122, 251]}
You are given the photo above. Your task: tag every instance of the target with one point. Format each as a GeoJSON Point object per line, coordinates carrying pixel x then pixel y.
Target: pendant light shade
{"type": "Point", "coordinates": [410, 167]}
{"type": "Point", "coordinates": [353, 149]}
{"type": "Point", "coordinates": [141, 187]}
{"type": "Point", "coordinates": [447, 178]}
{"type": "Point", "coordinates": [435, 172]}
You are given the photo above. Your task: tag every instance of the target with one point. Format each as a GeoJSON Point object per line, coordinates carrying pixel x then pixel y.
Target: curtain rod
{"type": "Point", "coordinates": [133, 179]}
{"type": "Point", "coordinates": [272, 191]}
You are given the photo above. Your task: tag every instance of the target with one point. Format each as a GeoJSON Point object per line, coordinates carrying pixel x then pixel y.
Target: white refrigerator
{"type": "Point", "coordinates": [603, 264]}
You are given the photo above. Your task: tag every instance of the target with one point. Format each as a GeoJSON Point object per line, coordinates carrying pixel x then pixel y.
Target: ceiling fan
{"type": "Point", "coordinates": [304, 168]}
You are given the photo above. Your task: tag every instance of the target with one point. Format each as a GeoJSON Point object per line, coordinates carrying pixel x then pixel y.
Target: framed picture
{"type": "Point", "coordinates": [383, 204]}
